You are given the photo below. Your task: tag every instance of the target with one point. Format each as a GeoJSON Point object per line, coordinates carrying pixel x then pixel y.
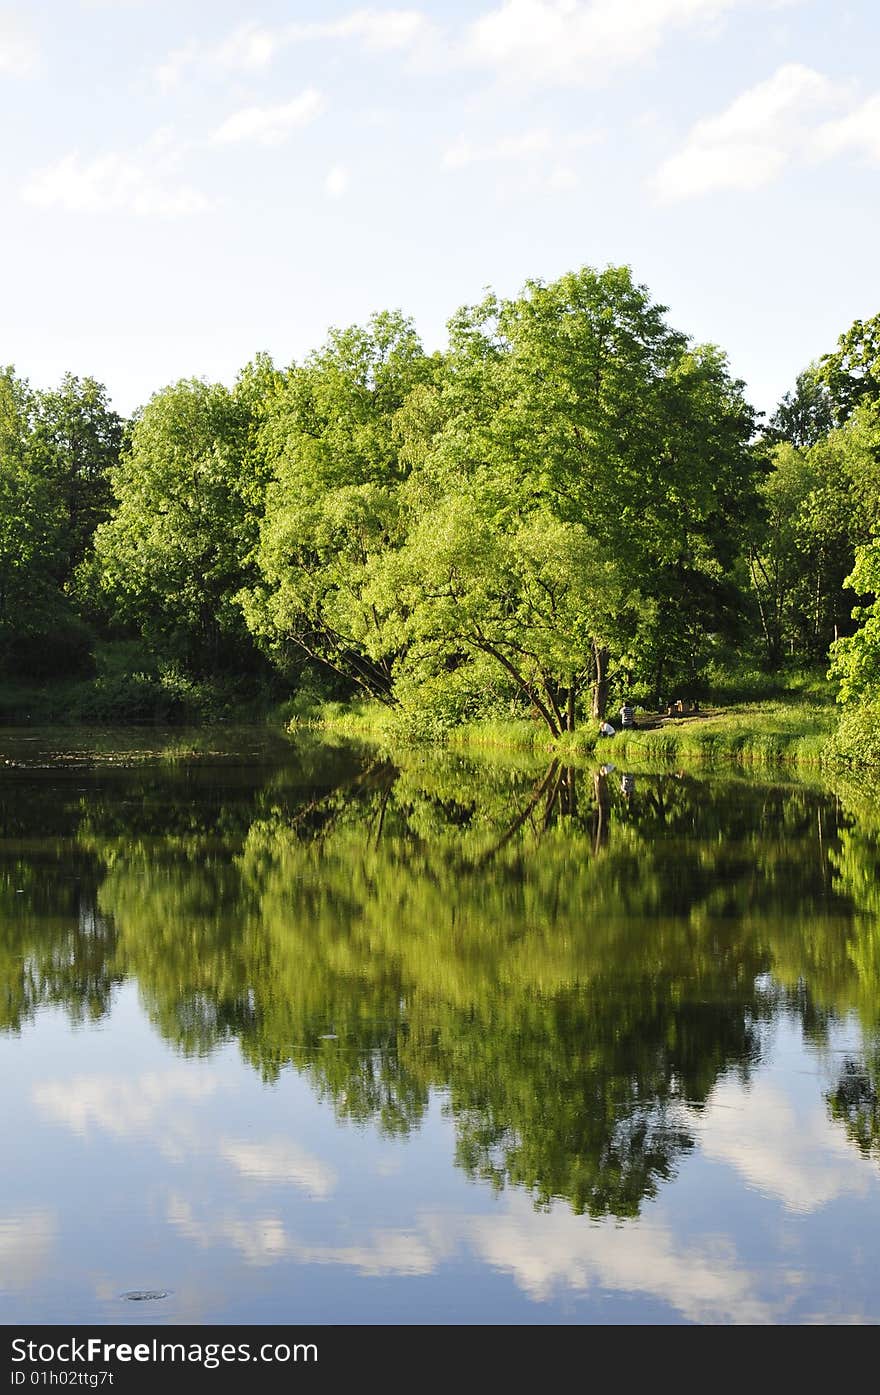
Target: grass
{"type": "Point", "coordinates": [793, 726]}
{"type": "Point", "coordinates": [763, 733]}
{"type": "Point", "coordinates": [757, 733]}
{"type": "Point", "coordinates": [512, 733]}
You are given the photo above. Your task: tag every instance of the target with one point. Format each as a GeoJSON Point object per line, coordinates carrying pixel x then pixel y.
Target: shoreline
{"type": "Point", "coordinates": [760, 734]}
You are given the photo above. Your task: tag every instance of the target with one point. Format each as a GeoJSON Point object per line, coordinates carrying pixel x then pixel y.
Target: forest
{"type": "Point", "coordinates": [571, 504]}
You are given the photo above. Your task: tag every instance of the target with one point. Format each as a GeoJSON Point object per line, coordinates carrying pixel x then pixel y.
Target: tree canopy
{"type": "Point", "coordinates": [572, 502]}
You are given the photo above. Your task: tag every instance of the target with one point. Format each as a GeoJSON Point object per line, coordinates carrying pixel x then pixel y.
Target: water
{"type": "Point", "coordinates": [303, 1034]}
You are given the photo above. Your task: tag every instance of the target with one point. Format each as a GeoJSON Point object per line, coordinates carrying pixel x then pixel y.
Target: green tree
{"type": "Point", "coordinates": [332, 453]}
{"type": "Point", "coordinates": [855, 660]}
{"type": "Point", "coordinates": [855, 664]}
{"type": "Point", "coordinates": [852, 372]}
{"type": "Point", "coordinates": [805, 415]}
{"type": "Point", "coordinates": [75, 444]}
{"type": "Point", "coordinates": [180, 543]}
{"type": "Point", "coordinates": [31, 532]}
{"type": "Point", "coordinates": [596, 465]}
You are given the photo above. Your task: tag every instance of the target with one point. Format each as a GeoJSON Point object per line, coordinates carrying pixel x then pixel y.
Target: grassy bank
{"type": "Point", "coordinates": [764, 733]}
{"type": "Point", "coordinates": [793, 728]}
{"type": "Point", "coordinates": [760, 734]}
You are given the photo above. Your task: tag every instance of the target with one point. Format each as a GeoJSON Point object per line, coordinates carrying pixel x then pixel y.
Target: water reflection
{"type": "Point", "coordinates": [609, 982]}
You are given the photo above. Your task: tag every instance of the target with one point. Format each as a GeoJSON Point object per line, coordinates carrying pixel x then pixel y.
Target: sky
{"type": "Point", "coordinates": [188, 182]}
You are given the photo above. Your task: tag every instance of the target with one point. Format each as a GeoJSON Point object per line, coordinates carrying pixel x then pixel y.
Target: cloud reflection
{"type": "Point", "coordinates": [120, 1105]}
{"type": "Point", "coordinates": [546, 1253]}
{"type": "Point", "coordinates": [27, 1243]}
{"type": "Point", "coordinates": [782, 1148]}
{"type": "Point", "coordinates": [264, 1239]}
{"type": "Point", "coordinates": [281, 1161]}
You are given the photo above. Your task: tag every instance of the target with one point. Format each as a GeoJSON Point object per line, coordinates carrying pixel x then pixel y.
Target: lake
{"type": "Point", "coordinates": [299, 1032]}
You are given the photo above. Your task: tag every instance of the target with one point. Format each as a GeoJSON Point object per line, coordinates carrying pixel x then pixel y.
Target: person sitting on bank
{"type": "Point", "coordinates": [606, 729]}
{"type": "Point", "coordinates": [627, 716]}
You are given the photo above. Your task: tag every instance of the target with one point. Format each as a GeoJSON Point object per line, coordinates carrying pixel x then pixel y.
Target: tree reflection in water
{"type": "Point", "coordinates": [572, 958]}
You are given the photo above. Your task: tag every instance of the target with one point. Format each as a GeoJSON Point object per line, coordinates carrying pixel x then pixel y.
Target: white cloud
{"type": "Point", "coordinates": [111, 183]}
{"type": "Point", "coordinates": [563, 178]}
{"type": "Point", "coordinates": [577, 41]}
{"type": "Point", "coordinates": [247, 49]}
{"type": "Point", "coordinates": [144, 182]}
{"type": "Point", "coordinates": [465, 152]}
{"type": "Point", "coordinates": [748, 144]}
{"type": "Point", "coordinates": [336, 183]}
{"type": "Point", "coordinates": [252, 46]}
{"type": "Point", "coordinates": [19, 51]}
{"type": "Point", "coordinates": [527, 146]}
{"type": "Point", "coordinates": [378, 29]}
{"type": "Point", "coordinates": [281, 1161]}
{"type": "Point", "coordinates": [859, 132]}
{"type": "Point", "coordinates": [546, 1254]}
{"type": "Point", "coordinates": [541, 160]}
{"type": "Point", "coordinates": [270, 125]}
{"type": "Point", "coordinates": [264, 1240]}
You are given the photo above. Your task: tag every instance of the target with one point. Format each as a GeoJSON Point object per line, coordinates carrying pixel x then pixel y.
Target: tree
{"type": "Point", "coordinates": [855, 660]}
{"type": "Point", "coordinates": [179, 545]}
{"type": "Point", "coordinates": [31, 533]}
{"type": "Point", "coordinates": [852, 373]}
{"type": "Point", "coordinates": [331, 451]}
{"type": "Point", "coordinates": [526, 590]}
{"type": "Point", "coordinates": [805, 415]}
{"type": "Point", "coordinates": [592, 461]}
{"type": "Point", "coordinates": [774, 553]}
{"type": "Point", "coordinates": [75, 444]}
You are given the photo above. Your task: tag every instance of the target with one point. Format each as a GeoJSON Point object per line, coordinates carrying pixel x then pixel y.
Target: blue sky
{"type": "Point", "coordinates": [185, 183]}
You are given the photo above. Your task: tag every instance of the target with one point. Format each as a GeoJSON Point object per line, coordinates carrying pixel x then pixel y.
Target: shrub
{"type": "Point", "coordinates": [857, 738]}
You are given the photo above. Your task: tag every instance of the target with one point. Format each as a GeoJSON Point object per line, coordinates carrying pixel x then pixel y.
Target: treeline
{"type": "Point", "coordinates": [569, 503]}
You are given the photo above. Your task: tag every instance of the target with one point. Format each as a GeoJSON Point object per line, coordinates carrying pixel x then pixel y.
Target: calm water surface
{"type": "Point", "coordinates": [295, 1033]}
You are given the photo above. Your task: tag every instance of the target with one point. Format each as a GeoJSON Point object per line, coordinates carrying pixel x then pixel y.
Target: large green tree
{"type": "Point", "coordinates": [75, 444]}
{"type": "Point", "coordinates": [579, 472]}
{"type": "Point", "coordinates": [332, 453]}
{"type": "Point", "coordinates": [32, 540]}
{"type": "Point", "coordinates": [180, 543]}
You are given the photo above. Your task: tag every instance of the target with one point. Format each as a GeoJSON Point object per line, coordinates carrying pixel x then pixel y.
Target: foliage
{"type": "Point", "coordinates": [805, 415]}
{"type": "Point", "coordinates": [568, 506]}
{"type": "Point", "coordinates": [852, 373]}
{"type": "Point", "coordinates": [575, 478]}
{"type": "Point", "coordinates": [329, 441]}
{"type": "Point", "coordinates": [856, 660]}
{"type": "Point", "coordinates": [185, 522]}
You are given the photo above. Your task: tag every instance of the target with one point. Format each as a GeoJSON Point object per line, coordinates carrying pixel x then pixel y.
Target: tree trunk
{"type": "Point", "coordinates": [525, 687]}
{"type": "Point", "coordinates": [570, 708]}
{"type": "Point", "coordinates": [600, 685]}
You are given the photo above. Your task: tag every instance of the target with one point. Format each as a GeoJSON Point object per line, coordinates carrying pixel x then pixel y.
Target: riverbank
{"type": "Point", "coordinates": [795, 728]}
{"type": "Point", "coordinates": [761, 733]}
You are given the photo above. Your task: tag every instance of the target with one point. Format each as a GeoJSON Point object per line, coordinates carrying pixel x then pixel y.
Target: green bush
{"type": "Point", "coordinates": [857, 738]}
